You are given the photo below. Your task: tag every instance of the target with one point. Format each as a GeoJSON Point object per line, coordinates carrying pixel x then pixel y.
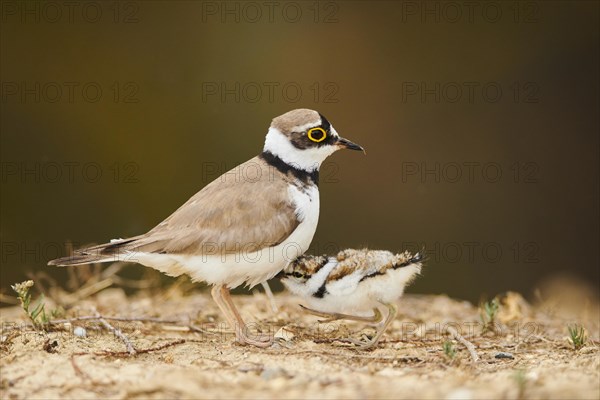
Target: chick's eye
{"type": "Point", "coordinates": [316, 134]}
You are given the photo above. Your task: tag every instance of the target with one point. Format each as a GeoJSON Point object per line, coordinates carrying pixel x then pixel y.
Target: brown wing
{"type": "Point", "coordinates": [247, 208]}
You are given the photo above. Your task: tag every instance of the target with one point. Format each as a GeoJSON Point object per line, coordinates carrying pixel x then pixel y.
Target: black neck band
{"type": "Point", "coordinates": [285, 168]}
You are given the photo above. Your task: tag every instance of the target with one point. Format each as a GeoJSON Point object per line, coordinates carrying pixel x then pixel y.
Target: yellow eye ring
{"type": "Point", "coordinates": [312, 130]}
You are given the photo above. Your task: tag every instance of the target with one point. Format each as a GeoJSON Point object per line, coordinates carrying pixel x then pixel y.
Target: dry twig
{"type": "Point", "coordinates": [470, 346]}
{"type": "Point", "coordinates": [78, 371]}
{"type": "Point", "coordinates": [94, 318]}
{"type": "Point", "coordinates": [127, 353]}
{"type": "Point", "coordinates": [118, 333]}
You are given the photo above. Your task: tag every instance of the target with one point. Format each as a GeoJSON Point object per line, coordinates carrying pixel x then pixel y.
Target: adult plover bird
{"type": "Point", "coordinates": [245, 226]}
{"type": "Point", "coordinates": [351, 284]}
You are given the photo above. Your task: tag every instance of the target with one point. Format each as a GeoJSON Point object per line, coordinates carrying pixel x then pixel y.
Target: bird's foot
{"type": "Point", "coordinates": [258, 339]}
{"type": "Point", "coordinates": [362, 344]}
{"type": "Point", "coordinates": [244, 335]}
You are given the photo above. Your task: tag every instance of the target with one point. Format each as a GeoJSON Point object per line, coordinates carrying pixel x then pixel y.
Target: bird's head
{"type": "Point", "coordinates": [297, 275]}
{"type": "Point", "coordinates": [304, 138]}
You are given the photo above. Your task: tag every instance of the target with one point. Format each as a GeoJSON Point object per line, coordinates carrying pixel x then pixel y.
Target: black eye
{"type": "Point", "coordinates": [297, 275]}
{"type": "Point", "coordinates": [316, 134]}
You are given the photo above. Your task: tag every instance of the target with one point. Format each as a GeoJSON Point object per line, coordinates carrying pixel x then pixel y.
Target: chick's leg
{"type": "Point", "coordinates": [392, 311]}
{"type": "Point", "coordinates": [376, 318]}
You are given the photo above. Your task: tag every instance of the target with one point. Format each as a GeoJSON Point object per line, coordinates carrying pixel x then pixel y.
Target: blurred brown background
{"type": "Point", "coordinates": [480, 121]}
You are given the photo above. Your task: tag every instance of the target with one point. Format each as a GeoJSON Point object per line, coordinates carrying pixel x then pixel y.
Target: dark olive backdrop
{"type": "Point", "coordinates": [480, 121]}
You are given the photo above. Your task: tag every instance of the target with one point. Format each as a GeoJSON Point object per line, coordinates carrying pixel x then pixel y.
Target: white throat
{"type": "Point", "coordinates": [308, 159]}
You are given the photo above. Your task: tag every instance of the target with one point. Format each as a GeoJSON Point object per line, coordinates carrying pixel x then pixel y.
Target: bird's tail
{"type": "Point", "coordinates": [417, 258]}
{"type": "Point", "coordinates": [116, 250]}
{"type": "Point", "coordinates": [406, 259]}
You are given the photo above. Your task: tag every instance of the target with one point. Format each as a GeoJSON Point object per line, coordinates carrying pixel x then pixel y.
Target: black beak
{"type": "Point", "coordinates": [346, 144]}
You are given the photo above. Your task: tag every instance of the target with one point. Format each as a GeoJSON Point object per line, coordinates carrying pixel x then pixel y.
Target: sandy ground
{"type": "Point", "coordinates": [188, 352]}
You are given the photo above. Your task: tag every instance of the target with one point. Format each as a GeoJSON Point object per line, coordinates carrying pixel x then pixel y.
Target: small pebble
{"type": "Point", "coordinates": [79, 331]}
{"type": "Point", "coordinates": [504, 355]}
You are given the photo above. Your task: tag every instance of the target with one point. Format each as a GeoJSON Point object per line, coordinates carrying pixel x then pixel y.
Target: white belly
{"type": "Point", "coordinates": [251, 268]}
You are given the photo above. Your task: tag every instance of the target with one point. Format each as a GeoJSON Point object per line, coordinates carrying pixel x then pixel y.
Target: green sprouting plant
{"type": "Point", "coordinates": [487, 312]}
{"type": "Point", "coordinates": [577, 336]}
{"type": "Point", "coordinates": [449, 349]}
{"type": "Point", "coordinates": [37, 314]}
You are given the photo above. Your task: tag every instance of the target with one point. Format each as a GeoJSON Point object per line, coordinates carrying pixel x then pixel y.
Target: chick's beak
{"type": "Point", "coordinates": [346, 144]}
